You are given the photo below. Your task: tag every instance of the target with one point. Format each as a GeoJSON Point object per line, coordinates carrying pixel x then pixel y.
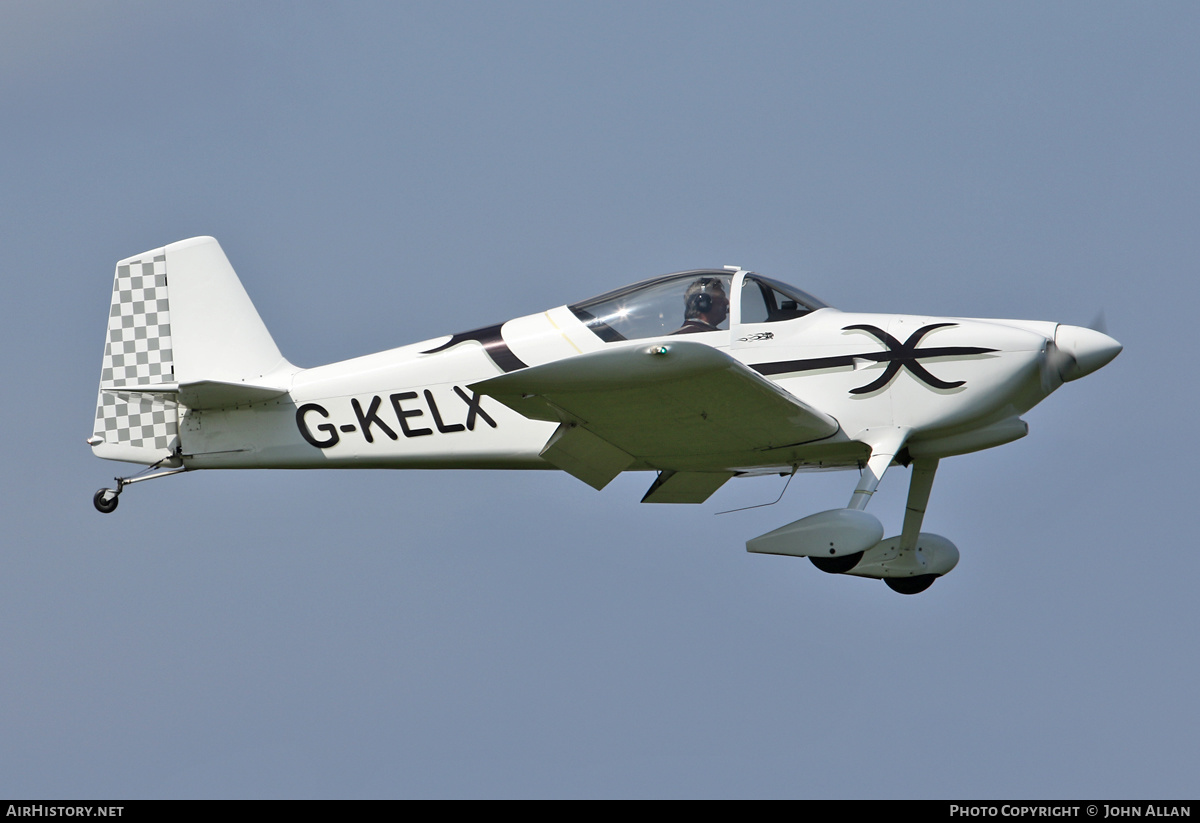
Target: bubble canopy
{"type": "Point", "coordinates": [689, 302]}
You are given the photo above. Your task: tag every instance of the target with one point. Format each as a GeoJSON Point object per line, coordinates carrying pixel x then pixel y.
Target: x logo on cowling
{"type": "Point", "coordinates": [905, 356]}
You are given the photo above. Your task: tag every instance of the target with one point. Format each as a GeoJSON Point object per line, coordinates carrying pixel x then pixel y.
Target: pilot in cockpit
{"type": "Point", "coordinates": [705, 306]}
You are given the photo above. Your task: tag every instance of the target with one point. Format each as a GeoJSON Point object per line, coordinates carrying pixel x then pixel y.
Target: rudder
{"type": "Point", "coordinates": [137, 426]}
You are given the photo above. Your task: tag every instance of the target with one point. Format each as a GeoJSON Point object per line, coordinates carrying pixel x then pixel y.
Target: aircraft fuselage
{"type": "Point", "coordinates": [413, 407]}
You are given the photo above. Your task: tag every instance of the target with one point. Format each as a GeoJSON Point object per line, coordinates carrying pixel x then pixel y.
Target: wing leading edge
{"type": "Point", "coordinates": [679, 407]}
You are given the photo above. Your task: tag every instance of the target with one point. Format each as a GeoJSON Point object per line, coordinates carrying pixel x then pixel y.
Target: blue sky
{"type": "Point", "coordinates": [381, 173]}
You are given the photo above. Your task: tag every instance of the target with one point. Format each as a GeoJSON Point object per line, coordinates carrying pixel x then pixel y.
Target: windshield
{"type": "Point", "coordinates": [687, 303]}
{"type": "Point", "coordinates": [767, 301]}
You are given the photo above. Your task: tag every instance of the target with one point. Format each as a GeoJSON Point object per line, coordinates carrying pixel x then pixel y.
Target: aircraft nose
{"type": "Point", "coordinates": [1089, 349]}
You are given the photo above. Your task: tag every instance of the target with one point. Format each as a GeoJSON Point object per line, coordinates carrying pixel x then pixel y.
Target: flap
{"type": "Point", "coordinates": [582, 454]}
{"type": "Point", "coordinates": [685, 487]}
{"type": "Point", "coordinates": [653, 402]}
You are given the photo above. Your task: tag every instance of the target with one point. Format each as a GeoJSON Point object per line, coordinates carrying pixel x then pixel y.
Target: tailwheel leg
{"type": "Point", "coordinates": [105, 500]}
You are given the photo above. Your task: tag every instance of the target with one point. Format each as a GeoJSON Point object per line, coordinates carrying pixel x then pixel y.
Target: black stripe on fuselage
{"type": "Point", "coordinates": [493, 344]}
{"type": "Point", "coordinates": [815, 363]}
{"type": "Point", "coordinates": [897, 355]}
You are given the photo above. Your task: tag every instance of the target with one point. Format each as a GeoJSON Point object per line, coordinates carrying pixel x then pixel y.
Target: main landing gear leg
{"type": "Point", "coordinates": [884, 444]}
{"type": "Point", "coordinates": [105, 500]}
{"type": "Point", "coordinates": [919, 487]}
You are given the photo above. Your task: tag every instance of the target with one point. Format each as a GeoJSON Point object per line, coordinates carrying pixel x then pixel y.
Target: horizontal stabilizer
{"type": "Point", "coordinates": [204, 394]}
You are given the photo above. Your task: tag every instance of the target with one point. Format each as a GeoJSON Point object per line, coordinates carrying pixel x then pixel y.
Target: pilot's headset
{"type": "Point", "coordinates": [700, 302]}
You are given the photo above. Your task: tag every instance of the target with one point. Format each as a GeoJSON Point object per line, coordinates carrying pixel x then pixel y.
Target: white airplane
{"type": "Point", "coordinates": [700, 376]}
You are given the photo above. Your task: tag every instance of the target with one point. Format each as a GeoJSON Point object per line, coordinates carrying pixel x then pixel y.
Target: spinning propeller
{"type": "Point", "coordinates": [1076, 351]}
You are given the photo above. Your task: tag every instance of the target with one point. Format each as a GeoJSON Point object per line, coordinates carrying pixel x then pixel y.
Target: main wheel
{"type": "Point", "coordinates": [836, 565]}
{"type": "Point", "coordinates": [103, 503]}
{"type": "Point", "coordinates": [910, 585]}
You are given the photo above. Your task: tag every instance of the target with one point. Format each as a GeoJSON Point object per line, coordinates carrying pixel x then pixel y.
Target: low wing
{"type": "Point", "coordinates": [675, 406]}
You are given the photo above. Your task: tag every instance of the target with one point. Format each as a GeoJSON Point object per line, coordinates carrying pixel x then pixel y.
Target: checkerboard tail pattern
{"type": "Point", "coordinates": [137, 354]}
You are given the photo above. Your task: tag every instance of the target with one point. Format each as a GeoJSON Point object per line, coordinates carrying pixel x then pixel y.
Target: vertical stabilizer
{"type": "Point", "coordinates": [179, 316]}
{"type": "Point", "coordinates": [216, 330]}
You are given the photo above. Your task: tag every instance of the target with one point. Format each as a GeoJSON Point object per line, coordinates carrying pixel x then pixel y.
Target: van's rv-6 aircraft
{"type": "Point", "coordinates": [700, 376]}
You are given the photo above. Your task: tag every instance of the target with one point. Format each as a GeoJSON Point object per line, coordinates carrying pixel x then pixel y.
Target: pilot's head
{"type": "Point", "coordinates": [705, 300]}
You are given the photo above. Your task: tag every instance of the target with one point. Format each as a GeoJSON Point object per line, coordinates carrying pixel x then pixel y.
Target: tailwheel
{"type": "Point", "coordinates": [105, 500]}
{"type": "Point", "coordinates": [836, 565]}
{"type": "Point", "coordinates": [910, 585]}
